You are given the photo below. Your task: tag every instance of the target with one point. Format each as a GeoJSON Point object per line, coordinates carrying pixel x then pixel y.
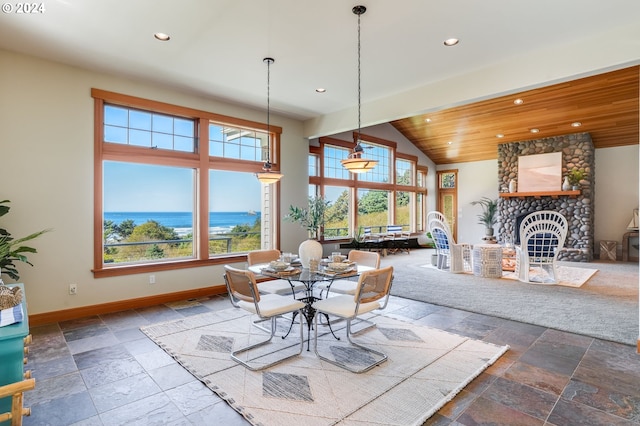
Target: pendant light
{"type": "Point", "coordinates": [355, 163]}
{"type": "Point", "coordinates": [267, 176]}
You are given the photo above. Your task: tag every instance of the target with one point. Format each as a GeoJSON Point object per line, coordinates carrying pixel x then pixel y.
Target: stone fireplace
{"type": "Point", "coordinates": [577, 151]}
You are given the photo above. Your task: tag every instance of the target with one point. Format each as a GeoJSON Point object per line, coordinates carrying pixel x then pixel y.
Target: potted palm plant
{"type": "Point", "coordinates": [489, 215]}
{"type": "Point", "coordinates": [12, 249]}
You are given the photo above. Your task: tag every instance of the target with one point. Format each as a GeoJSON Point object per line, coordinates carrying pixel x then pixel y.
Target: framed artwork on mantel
{"type": "Point", "coordinates": [540, 172]}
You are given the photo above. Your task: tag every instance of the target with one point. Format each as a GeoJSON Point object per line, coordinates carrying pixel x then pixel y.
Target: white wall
{"type": "Point", "coordinates": [616, 193]}
{"type": "Point", "coordinates": [46, 146]}
{"type": "Point", "coordinates": [475, 180]}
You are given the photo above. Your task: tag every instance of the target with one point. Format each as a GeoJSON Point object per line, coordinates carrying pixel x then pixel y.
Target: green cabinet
{"type": "Point", "coordinates": [12, 353]}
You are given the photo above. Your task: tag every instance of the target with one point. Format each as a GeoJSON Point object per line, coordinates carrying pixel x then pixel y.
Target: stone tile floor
{"type": "Point", "coordinates": [102, 370]}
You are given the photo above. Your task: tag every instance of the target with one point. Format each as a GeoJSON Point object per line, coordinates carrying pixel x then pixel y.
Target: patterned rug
{"type": "Point", "coordinates": [567, 276]}
{"type": "Point", "coordinates": [426, 369]}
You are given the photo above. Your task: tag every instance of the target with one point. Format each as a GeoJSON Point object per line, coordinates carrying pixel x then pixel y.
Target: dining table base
{"type": "Point", "coordinates": [309, 313]}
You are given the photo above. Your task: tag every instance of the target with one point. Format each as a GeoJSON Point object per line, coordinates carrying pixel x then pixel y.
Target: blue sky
{"type": "Point", "coordinates": [143, 188]}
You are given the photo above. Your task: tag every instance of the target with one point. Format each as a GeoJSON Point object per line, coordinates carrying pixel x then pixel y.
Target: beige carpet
{"type": "Point", "coordinates": [568, 276]}
{"type": "Point", "coordinates": [426, 369]}
{"type": "Point", "coordinates": [605, 307]}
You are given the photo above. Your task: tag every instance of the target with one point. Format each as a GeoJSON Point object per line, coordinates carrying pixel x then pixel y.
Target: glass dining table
{"type": "Point", "coordinates": [309, 278]}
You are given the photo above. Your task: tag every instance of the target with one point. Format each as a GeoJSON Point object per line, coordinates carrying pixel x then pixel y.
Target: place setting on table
{"type": "Point", "coordinates": [289, 266]}
{"type": "Point", "coordinates": [325, 270]}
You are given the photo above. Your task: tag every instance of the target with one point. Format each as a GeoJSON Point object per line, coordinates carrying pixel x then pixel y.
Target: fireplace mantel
{"type": "Point", "coordinates": [552, 194]}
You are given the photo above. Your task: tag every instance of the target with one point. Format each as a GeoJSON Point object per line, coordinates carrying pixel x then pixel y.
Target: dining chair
{"type": "Point", "coordinates": [452, 256]}
{"type": "Point", "coordinates": [243, 290]}
{"type": "Point", "coordinates": [542, 236]}
{"type": "Point", "coordinates": [372, 293]}
{"type": "Point", "coordinates": [268, 285]}
{"type": "Point", "coordinates": [347, 286]}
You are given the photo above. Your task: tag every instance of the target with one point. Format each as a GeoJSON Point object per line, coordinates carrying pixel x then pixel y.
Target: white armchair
{"type": "Point", "coordinates": [542, 236]}
{"type": "Point", "coordinates": [451, 256]}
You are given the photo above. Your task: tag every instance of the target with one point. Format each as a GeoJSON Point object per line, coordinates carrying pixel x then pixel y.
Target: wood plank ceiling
{"type": "Point", "coordinates": [606, 105]}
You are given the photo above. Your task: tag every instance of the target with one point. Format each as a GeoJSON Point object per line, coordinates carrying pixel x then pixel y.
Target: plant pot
{"type": "Point", "coordinates": [488, 232]}
{"type": "Point", "coordinates": [309, 249]}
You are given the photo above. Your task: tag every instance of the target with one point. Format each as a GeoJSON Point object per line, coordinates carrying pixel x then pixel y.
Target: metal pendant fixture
{"type": "Point", "coordinates": [355, 163]}
{"type": "Point", "coordinates": [267, 176]}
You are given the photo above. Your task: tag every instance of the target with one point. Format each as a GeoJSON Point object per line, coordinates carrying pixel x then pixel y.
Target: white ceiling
{"type": "Point", "coordinates": [217, 46]}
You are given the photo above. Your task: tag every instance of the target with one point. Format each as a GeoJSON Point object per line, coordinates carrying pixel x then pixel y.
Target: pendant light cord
{"type": "Point", "coordinates": [269, 61]}
{"type": "Point", "coordinates": [359, 90]}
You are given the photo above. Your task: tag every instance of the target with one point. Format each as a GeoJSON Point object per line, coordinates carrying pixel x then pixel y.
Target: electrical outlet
{"type": "Point", "coordinates": [152, 279]}
{"type": "Point", "coordinates": [73, 289]}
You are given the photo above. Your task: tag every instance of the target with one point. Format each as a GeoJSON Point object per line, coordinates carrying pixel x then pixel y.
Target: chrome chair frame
{"type": "Point", "coordinates": [245, 295]}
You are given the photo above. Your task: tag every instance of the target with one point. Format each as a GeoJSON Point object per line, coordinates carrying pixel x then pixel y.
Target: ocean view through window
{"type": "Point", "coordinates": [167, 201]}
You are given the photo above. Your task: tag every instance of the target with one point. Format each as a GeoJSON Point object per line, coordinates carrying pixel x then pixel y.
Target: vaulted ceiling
{"type": "Point", "coordinates": [606, 106]}
{"type": "Point", "coordinates": [217, 48]}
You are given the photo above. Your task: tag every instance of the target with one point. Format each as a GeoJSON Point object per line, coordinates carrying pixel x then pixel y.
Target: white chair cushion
{"type": "Point", "coordinates": [344, 287]}
{"type": "Point", "coordinates": [344, 306]}
{"type": "Point", "coordinates": [272, 305]}
{"type": "Point", "coordinates": [279, 287]}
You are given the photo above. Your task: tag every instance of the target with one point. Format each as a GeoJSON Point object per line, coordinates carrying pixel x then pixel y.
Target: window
{"type": "Point", "coordinates": [447, 180]}
{"type": "Point", "coordinates": [388, 195]}
{"type": "Point", "coordinates": [382, 171]}
{"type": "Point", "coordinates": [231, 142]}
{"type": "Point", "coordinates": [134, 127]}
{"type": "Point", "coordinates": [405, 174]}
{"type": "Point", "coordinates": [332, 166]}
{"type": "Point", "coordinates": [167, 201]}
{"type": "Point", "coordinates": [337, 214]}
{"type": "Point", "coordinates": [373, 210]}
{"type": "Point", "coordinates": [314, 165]}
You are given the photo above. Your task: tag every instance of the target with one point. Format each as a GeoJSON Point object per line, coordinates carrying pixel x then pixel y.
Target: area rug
{"type": "Point", "coordinates": [426, 369]}
{"type": "Point", "coordinates": [568, 276]}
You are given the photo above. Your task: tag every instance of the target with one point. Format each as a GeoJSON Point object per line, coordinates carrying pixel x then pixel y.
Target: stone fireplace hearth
{"type": "Point", "coordinates": [577, 151]}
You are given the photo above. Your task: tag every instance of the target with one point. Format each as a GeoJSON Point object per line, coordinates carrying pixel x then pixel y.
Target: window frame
{"type": "Point", "coordinates": [354, 183]}
{"type": "Point", "coordinates": [199, 160]}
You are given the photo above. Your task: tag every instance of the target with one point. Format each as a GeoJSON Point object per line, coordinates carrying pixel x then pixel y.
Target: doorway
{"type": "Point", "coordinates": [448, 198]}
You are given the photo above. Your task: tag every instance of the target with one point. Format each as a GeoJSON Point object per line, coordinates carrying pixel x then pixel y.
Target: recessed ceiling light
{"type": "Point", "coordinates": [535, 130]}
{"type": "Point", "coordinates": [427, 120]}
{"type": "Point", "coordinates": [576, 124]}
{"type": "Point", "coordinates": [518, 101]}
{"type": "Point", "coordinates": [451, 42]}
{"type": "Point", "coordinates": [499, 135]}
{"type": "Point", "coordinates": [321, 90]}
{"type": "Point", "coordinates": [162, 36]}
{"type": "Point", "coordinates": [449, 143]}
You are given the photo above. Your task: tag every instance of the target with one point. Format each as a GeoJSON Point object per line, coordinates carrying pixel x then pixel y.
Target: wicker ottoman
{"type": "Point", "coordinates": [487, 260]}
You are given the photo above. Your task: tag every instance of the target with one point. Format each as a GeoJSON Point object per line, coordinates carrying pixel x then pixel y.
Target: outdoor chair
{"type": "Point", "coordinates": [268, 285]}
{"type": "Point", "coordinates": [542, 236]}
{"type": "Point", "coordinates": [452, 257]}
{"type": "Point", "coordinates": [372, 293]}
{"type": "Point", "coordinates": [243, 290]}
{"type": "Point", "coordinates": [399, 239]}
